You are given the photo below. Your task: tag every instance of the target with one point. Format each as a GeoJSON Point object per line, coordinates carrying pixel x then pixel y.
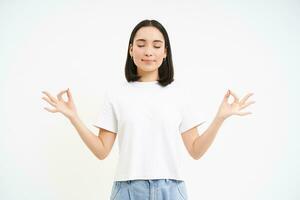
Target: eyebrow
{"type": "Point", "coordinates": [145, 40]}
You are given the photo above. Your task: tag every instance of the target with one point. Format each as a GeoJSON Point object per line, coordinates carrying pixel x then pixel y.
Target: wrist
{"type": "Point", "coordinates": [73, 118]}
{"type": "Point", "coordinates": [219, 118]}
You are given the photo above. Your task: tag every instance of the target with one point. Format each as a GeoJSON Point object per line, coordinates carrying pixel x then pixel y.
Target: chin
{"type": "Point", "coordinates": [149, 68]}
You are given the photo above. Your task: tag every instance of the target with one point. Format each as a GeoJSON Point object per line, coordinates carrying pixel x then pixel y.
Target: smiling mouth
{"type": "Point", "coordinates": [147, 60]}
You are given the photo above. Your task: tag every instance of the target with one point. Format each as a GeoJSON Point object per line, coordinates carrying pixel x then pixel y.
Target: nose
{"type": "Point", "coordinates": [148, 52]}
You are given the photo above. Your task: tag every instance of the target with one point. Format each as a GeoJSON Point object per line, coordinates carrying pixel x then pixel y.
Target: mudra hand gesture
{"type": "Point", "coordinates": [68, 108]}
{"type": "Point", "coordinates": [235, 108]}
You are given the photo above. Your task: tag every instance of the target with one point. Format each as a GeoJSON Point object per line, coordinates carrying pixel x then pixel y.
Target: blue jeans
{"type": "Point", "coordinates": [155, 189]}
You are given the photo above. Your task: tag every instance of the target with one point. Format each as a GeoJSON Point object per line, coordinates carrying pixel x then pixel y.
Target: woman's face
{"type": "Point", "coordinates": [148, 49]}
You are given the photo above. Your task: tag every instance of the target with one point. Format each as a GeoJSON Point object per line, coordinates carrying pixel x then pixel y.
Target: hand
{"type": "Point", "coordinates": [68, 108]}
{"type": "Point", "coordinates": [226, 109]}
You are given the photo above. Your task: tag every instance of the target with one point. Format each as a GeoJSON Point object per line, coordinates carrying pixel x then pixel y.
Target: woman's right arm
{"type": "Point", "coordinates": [99, 145]}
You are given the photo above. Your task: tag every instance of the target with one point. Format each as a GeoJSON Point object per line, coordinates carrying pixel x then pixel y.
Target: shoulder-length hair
{"type": "Point", "coordinates": [165, 71]}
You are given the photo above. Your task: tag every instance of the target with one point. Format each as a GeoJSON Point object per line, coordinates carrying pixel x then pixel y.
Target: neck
{"type": "Point", "coordinates": [148, 76]}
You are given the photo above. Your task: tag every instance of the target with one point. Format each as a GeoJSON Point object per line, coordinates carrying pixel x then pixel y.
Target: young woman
{"type": "Point", "coordinates": [149, 113]}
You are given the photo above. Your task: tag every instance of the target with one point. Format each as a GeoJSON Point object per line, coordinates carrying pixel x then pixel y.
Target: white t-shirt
{"type": "Point", "coordinates": [148, 120]}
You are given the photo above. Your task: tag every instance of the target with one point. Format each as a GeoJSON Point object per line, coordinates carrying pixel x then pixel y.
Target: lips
{"type": "Point", "coordinates": [144, 60]}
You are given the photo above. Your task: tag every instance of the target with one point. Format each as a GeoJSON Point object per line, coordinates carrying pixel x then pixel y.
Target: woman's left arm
{"type": "Point", "coordinates": [203, 141]}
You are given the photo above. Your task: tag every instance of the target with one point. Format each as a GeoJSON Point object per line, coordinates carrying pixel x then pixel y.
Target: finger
{"type": "Point", "coordinates": [243, 113]}
{"type": "Point", "coordinates": [247, 104]}
{"type": "Point", "coordinates": [50, 102]}
{"type": "Point", "coordinates": [50, 110]}
{"type": "Point", "coordinates": [50, 96]}
{"type": "Point", "coordinates": [236, 99]}
{"type": "Point", "coordinates": [226, 96]}
{"type": "Point", "coordinates": [245, 98]}
{"type": "Point", "coordinates": [59, 96]}
{"type": "Point", "coordinates": [69, 95]}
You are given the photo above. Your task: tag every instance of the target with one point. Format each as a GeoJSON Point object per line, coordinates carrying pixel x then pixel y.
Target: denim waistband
{"type": "Point", "coordinates": [149, 181]}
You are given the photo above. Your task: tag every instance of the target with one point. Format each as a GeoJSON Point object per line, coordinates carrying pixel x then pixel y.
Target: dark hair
{"type": "Point", "coordinates": [165, 71]}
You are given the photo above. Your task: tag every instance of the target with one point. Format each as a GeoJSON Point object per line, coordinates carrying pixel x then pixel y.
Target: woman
{"type": "Point", "coordinates": [148, 112]}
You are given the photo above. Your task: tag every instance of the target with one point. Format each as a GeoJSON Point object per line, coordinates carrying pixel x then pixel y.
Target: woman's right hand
{"type": "Point", "coordinates": [68, 108]}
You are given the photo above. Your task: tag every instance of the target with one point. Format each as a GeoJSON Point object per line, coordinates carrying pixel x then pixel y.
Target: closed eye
{"type": "Point", "coordinates": [143, 46]}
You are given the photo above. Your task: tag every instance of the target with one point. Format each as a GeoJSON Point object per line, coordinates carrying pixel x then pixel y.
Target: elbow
{"type": "Point", "coordinates": [101, 156]}
{"type": "Point", "coordinates": [196, 156]}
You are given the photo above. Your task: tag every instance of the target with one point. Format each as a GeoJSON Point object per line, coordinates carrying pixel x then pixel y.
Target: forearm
{"type": "Point", "coordinates": [203, 141]}
{"type": "Point", "coordinates": [92, 141]}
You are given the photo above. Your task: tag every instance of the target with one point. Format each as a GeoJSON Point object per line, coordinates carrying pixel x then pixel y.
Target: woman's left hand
{"type": "Point", "coordinates": [226, 109]}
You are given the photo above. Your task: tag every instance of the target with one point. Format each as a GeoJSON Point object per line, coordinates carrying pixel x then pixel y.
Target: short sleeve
{"type": "Point", "coordinates": [191, 114]}
{"type": "Point", "coordinates": [106, 117]}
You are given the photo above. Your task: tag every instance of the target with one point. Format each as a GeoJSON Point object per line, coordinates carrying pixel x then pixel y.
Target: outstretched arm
{"type": "Point", "coordinates": [101, 145]}
{"type": "Point", "coordinates": [202, 142]}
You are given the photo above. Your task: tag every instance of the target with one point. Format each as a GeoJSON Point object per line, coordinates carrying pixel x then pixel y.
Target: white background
{"type": "Point", "coordinates": [245, 46]}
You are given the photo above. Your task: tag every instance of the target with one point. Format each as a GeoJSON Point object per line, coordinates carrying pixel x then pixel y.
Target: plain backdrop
{"type": "Point", "coordinates": [245, 46]}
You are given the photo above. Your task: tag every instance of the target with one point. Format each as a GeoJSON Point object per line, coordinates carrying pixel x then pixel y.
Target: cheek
{"type": "Point", "coordinates": [161, 53]}
{"type": "Point", "coordinates": [138, 53]}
